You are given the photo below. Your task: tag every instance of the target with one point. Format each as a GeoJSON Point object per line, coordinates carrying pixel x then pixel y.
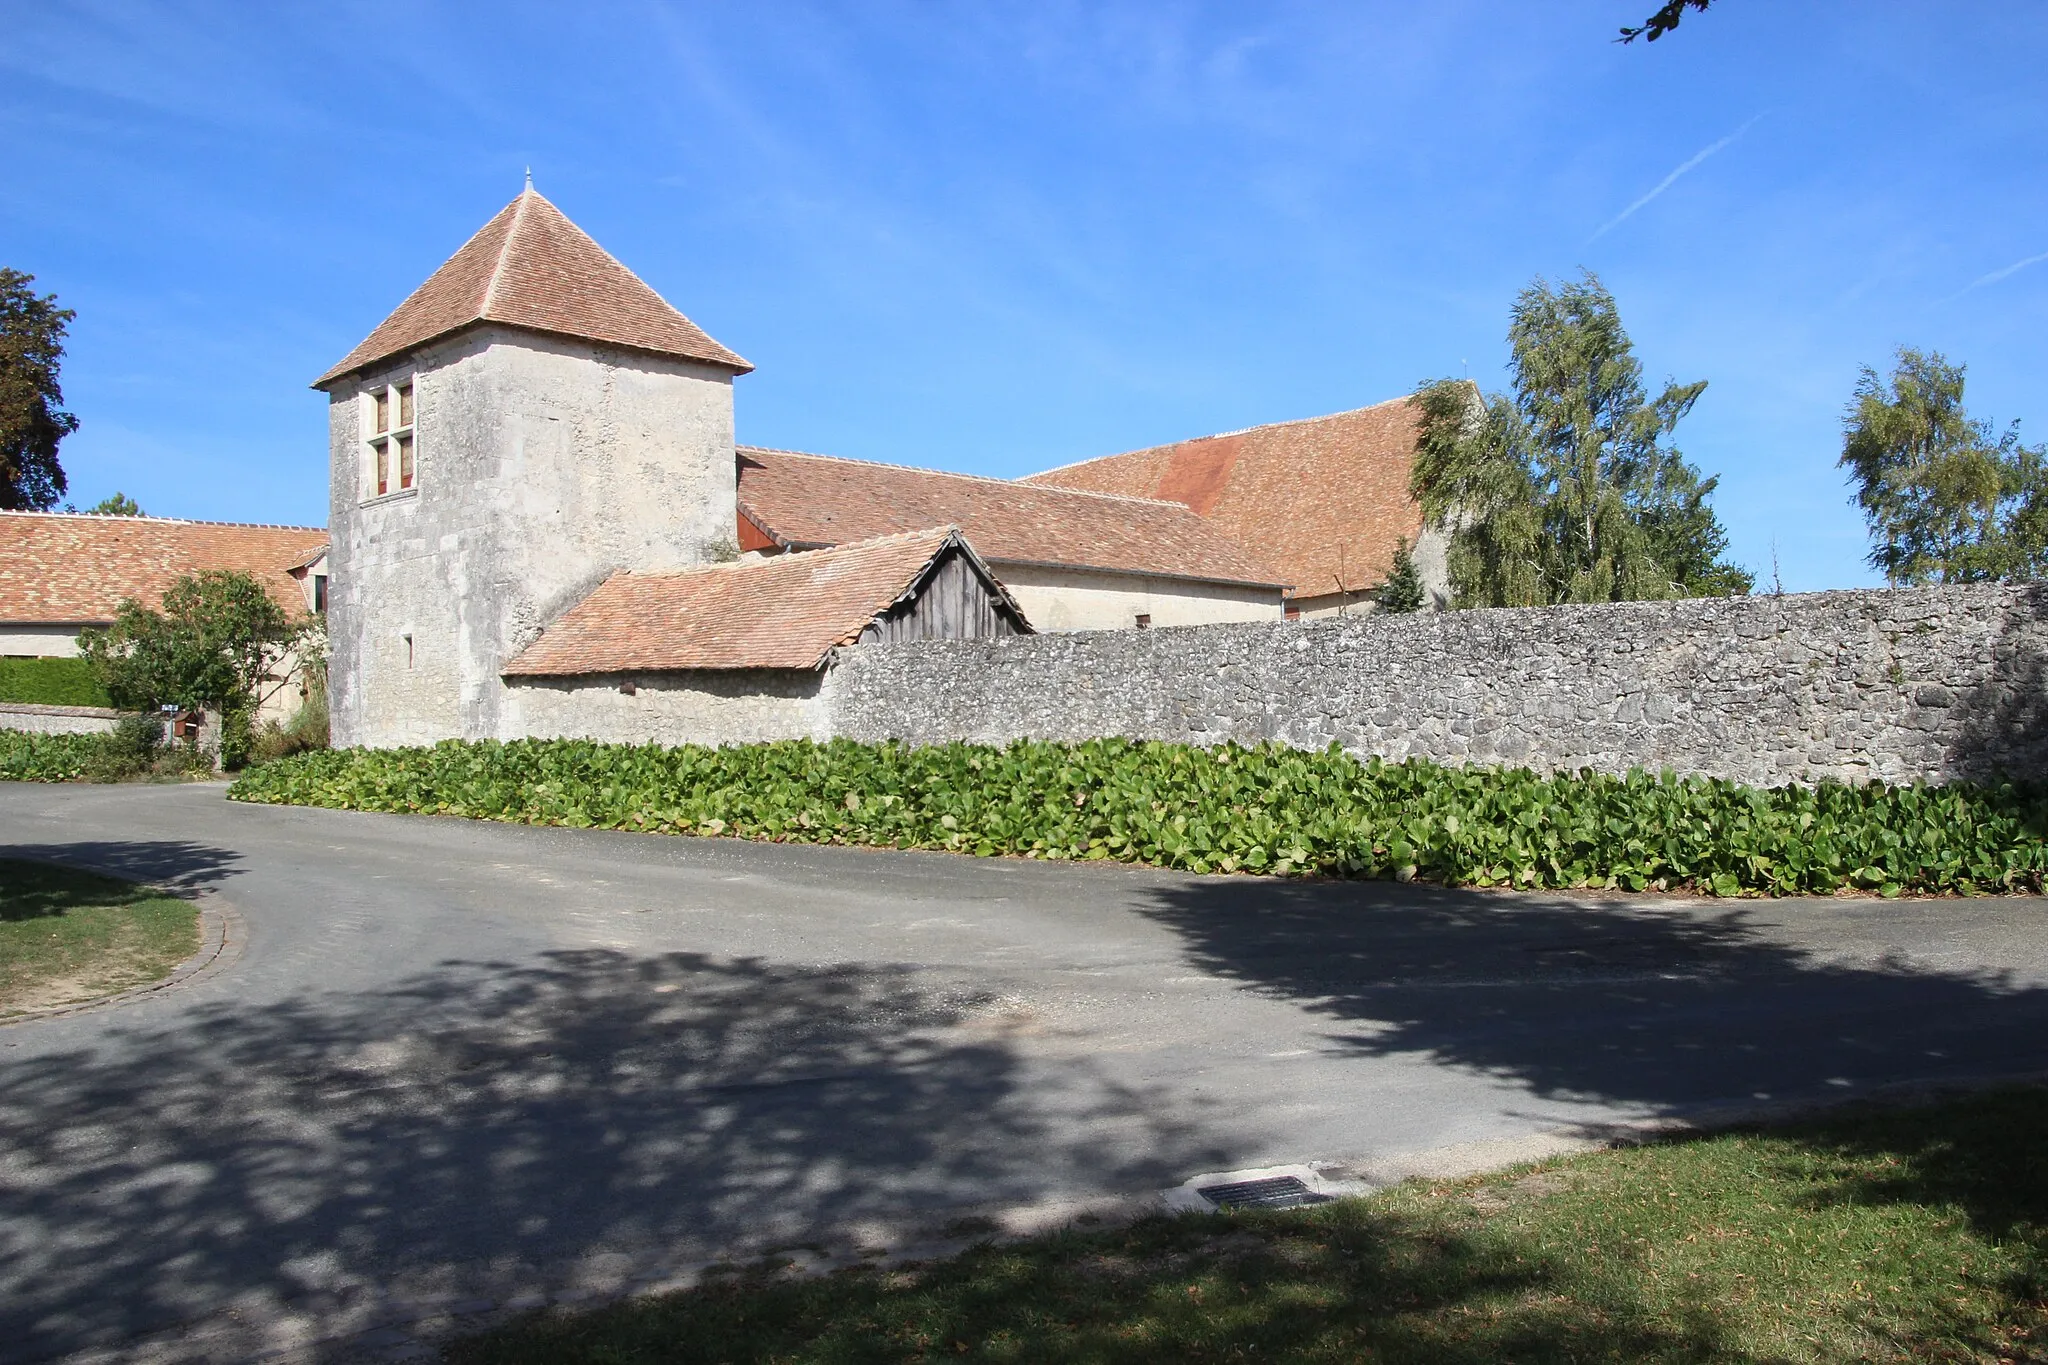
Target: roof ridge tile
{"type": "Point", "coordinates": [958, 474]}
{"type": "Point", "coordinates": [162, 521]}
{"type": "Point", "coordinates": [504, 249]}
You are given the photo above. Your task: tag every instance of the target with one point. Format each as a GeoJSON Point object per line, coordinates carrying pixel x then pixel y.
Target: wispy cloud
{"type": "Point", "coordinates": [1995, 276]}
{"type": "Point", "coordinates": [1668, 181]}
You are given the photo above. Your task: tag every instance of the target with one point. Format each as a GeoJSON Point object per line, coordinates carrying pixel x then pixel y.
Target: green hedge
{"type": "Point", "coordinates": [48, 758]}
{"type": "Point", "coordinates": [1265, 809]}
{"type": "Point", "coordinates": [51, 682]}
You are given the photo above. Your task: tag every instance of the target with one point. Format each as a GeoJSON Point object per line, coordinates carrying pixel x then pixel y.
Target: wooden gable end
{"type": "Point", "coordinates": [953, 599]}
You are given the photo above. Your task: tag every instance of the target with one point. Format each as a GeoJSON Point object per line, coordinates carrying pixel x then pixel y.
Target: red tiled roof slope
{"type": "Point", "coordinates": [531, 267]}
{"type": "Point", "coordinates": [788, 611]}
{"type": "Point", "coordinates": [807, 500]}
{"type": "Point", "coordinates": [1322, 501]}
{"type": "Point", "coordinates": [56, 567]}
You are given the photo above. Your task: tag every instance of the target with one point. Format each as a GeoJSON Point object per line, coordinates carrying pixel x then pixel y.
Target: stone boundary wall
{"type": "Point", "coordinates": [1901, 685]}
{"type": "Point", "coordinates": [57, 720]}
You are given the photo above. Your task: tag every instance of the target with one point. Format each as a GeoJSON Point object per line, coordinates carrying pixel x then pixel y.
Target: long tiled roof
{"type": "Point", "coordinates": [787, 611]}
{"type": "Point", "coordinates": [806, 500]}
{"type": "Point", "coordinates": [531, 267]}
{"type": "Point", "coordinates": [64, 568]}
{"type": "Point", "coordinates": [1322, 501]}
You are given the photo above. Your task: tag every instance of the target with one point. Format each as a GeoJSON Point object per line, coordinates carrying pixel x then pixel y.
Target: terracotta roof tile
{"type": "Point", "coordinates": [61, 568]}
{"type": "Point", "coordinates": [809, 500]}
{"type": "Point", "coordinates": [788, 611]}
{"type": "Point", "coordinates": [531, 267]}
{"type": "Point", "coordinates": [1323, 500]}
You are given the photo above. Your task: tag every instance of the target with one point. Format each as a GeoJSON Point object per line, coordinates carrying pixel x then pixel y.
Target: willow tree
{"type": "Point", "coordinates": [1568, 489]}
{"type": "Point", "coordinates": [1948, 498]}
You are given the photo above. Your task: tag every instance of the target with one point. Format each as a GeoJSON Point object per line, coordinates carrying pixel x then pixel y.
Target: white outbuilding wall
{"type": "Point", "coordinates": [1086, 599]}
{"type": "Point", "coordinates": [59, 641]}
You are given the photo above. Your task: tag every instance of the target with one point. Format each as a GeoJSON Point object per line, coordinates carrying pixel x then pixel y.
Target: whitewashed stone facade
{"type": "Point", "coordinates": [543, 465]}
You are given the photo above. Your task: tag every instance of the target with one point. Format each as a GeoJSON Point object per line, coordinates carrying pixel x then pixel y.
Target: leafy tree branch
{"type": "Point", "coordinates": [1663, 21]}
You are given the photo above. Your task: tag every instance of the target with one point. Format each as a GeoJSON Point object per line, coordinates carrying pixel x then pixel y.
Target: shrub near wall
{"type": "Point", "coordinates": [51, 682]}
{"type": "Point", "coordinates": [1226, 809]}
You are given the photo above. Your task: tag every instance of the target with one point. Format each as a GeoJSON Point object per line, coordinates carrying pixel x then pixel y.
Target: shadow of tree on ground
{"type": "Point", "coordinates": [1666, 1009]}
{"type": "Point", "coordinates": [42, 891]}
{"type": "Point", "coordinates": [1828, 1240]}
{"type": "Point", "coordinates": [482, 1115]}
{"type": "Point", "coordinates": [176, 864]}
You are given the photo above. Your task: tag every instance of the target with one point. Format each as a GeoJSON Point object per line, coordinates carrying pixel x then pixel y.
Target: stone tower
{"type": "Point", "coordinates": [530, 420]}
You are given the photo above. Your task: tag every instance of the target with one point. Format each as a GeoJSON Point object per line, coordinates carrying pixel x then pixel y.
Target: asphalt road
{"type": "Point", "coordinates": [447, 1048]}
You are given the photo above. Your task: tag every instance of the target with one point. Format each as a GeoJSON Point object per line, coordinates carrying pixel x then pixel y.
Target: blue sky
{"type": "Point", "coordinates": [1000, 237]}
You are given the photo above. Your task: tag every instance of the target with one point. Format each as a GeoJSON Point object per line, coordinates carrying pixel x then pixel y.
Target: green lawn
{"type": "Point", "coordinates": [1877, 1236]}
{"type": "Point", "coordinates": [70, 936]}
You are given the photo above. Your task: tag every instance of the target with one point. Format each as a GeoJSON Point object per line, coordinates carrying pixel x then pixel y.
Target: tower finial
{"type": "Point", "coordinates": [529, 177]}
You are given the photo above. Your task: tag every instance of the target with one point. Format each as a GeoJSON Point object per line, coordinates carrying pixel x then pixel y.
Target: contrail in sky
{"type": "Point", "coordinates": [1667, 181]}
{"type": "Point", "coordinates": [1995, 276]}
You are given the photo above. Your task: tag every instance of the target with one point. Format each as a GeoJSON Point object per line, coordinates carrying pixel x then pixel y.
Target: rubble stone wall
{"type": "Point", "coordinates": [1926, 683]}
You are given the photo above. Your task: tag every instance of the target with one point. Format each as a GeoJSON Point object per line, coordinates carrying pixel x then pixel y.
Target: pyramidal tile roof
{"type": "Point", "coordinates": [790, 611]}
{"type": "Point", "coordinates": [531, 267]}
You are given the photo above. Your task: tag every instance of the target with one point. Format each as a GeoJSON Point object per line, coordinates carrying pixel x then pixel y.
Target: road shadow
{"type": "Point", "coordinates": [1668, 1012]}
{"type": "Point", "coordinates": [177, 864]}
{"type": "Point", "coordinates": [486, 1115]}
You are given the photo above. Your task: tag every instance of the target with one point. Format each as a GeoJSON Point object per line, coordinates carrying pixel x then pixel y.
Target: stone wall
{"type": "Point", "coordinates": [1932, 683]}
{"type": "Point", "coordinates": [57, 720]}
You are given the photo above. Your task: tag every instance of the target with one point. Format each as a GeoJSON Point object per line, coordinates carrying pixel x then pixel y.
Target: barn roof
{"type": "Point", "coordinates": [788, 611]}
{"type": "Point", "coordinates": [1322, 502]}
{"type": "Point", "coordinates": [804, 500]}
{"type": "Point", "coordinates": [65, 568]}
{"type": "Point", "coordinates": [531, 267]}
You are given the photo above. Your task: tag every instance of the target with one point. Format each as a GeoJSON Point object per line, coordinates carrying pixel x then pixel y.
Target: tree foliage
{"type": "Point", "coordinates": [1402, 592]}
{"type": "Point", "coordinates": [119, 505]}
{"type": "Point", "coordinates": [1663, 21]}
{"type": "Point", "coordinates": [1948, 499]}
{"type": "Point", "coordinates": [32, 416]}
{"type": "Point", "coordinates": [1568, 490]}
{"type": "Point", "coordinates": [216, 636]}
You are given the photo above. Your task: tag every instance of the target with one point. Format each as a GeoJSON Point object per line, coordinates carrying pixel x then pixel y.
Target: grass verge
{"type": "Point", "coordinates": [1917, 1234]}
{"type": "Point", "coordinates": [67, 937]}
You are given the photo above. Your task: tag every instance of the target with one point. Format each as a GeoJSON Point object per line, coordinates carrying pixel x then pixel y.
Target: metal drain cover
{"type": "Point", "coordinates": [1278, 1192]}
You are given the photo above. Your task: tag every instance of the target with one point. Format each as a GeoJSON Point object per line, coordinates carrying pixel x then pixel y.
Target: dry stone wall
{"type": "Point", "coordinates": [1929, 683]}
